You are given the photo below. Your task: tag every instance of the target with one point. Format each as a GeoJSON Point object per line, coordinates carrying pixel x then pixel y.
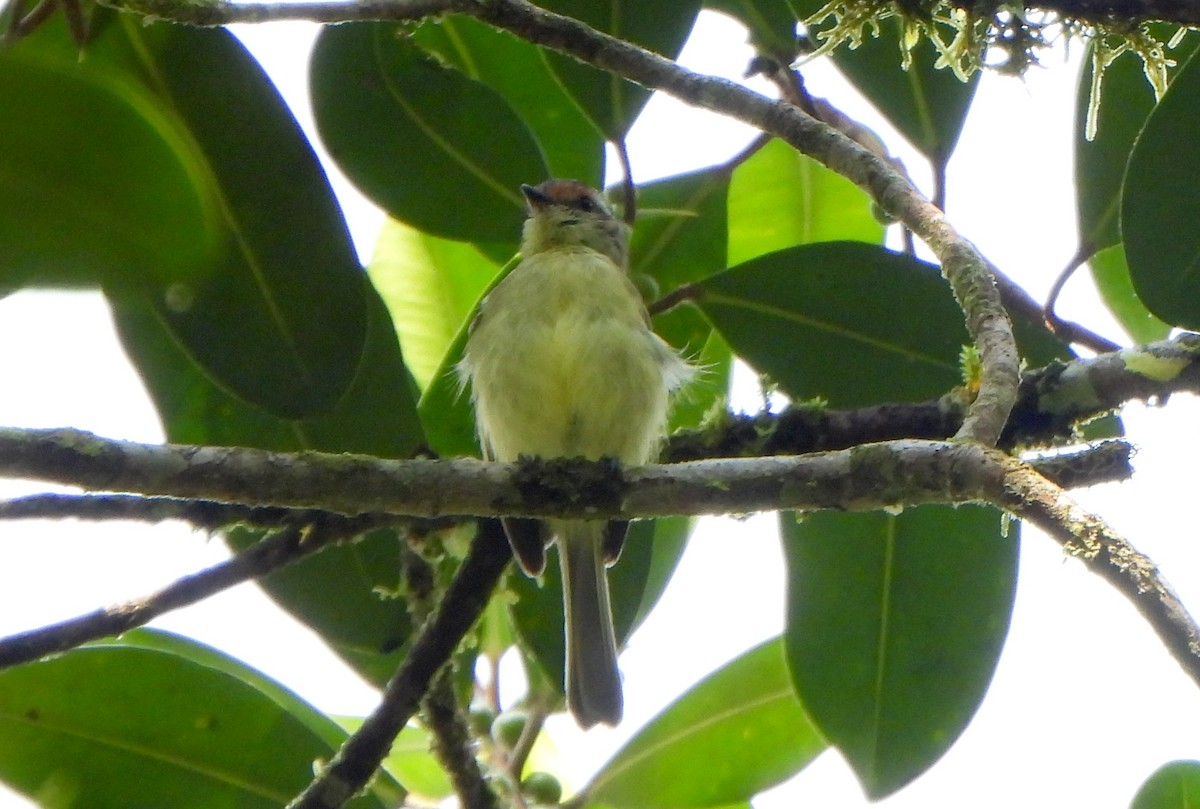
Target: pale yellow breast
{"type": "Point", "coordinates": [562, 363]}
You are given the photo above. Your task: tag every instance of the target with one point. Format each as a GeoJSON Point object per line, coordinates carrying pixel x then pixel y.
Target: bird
{"type": "Point", "coordinates": [562, 363]}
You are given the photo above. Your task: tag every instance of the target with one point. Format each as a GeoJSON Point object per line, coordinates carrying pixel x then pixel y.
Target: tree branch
{"type": "Point", "coordinates": [292, 543]}
{"type": "Point", "coordinates": [205, 514]}
{"type": "Point", "coordinates": [350, 770]}
{"type": "Point", "coordinates": [1109, 556]}
{"type": "Point", "coordinates": [919, 472]}
{"type": "Point", "coordinates": [322, 11]}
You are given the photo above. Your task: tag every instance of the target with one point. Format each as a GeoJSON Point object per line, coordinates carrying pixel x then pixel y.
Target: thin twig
{"type": "Point", "coordinates": [1072, 332]}
{"type": "Point", "coordinates": [628, 186]}
{"type": "Point", "coordinates": [322, 11]}
{"type": "Point", "coordinates": [272, 553]}
{"type": "Point", "coordinates": [204, 514]}
{"type": "Point", "coordinates": [452, 741]}
{"type": "Point", "coordinates": [678, 295]}
{"type": "Point", "coordinates": [535, 719]}
{"type": "Point", "coordinates": [453, 744]}
{"type": "Point", "coordinates": [464, 602]}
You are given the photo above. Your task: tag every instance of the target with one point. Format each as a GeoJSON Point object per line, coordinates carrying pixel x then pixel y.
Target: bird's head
{"type": "Point", "coordinates": [567, 213]}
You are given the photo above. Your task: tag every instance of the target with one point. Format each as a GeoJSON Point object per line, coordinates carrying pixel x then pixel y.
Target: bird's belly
{"type": "Point", "coordinates": [575, 385]}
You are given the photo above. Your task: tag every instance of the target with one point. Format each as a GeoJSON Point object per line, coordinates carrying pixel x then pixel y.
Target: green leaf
{"type": "Point", "coordinates": [437, 150]}
{"type": "Point", "coordinates": [734, 734]}
{"type": "Point", "coordinates": [611, 102]}
{"type": "Point", "coordinates": [431, 286]}
{"type": "Point", "coordinates": [927, 104]}
{"type": "Point", "coordinates": [267, 297]}
{"type": "Point", "coordinates": [1111, 274]}
{"type": "Point", "coordinates": [1162, 191]}
{"type": "Point", "coordinates": [780, 198]}
{"type": "Point", "coordinates": [336, 592]}
{"type": "Point", "coordinates": [282, 320]}
{"type": "Point", "coordinates": [636, 582]}
{"type": "Point", "coordinates": [77, 208]}
{"type": "Point", "coordinates": [895, 624]}
{"type": "Point", "coordinates": [681, 230]}
{"type": "Point", "coordinates": [1125, 103]}
{"type": "Point", "coordinates": [772, 25]}
{"type": "Point", "coordinates": [516, 70]}
{"type": "Point", "coordinates": [852, 323]}
{"type": "Point", "coordinates": [159, 721]}
{"type": "Point", "coordinates": [1175, 785]}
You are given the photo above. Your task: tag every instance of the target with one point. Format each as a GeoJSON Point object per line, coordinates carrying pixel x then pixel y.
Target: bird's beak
{"type": "Point", "coordinates": [536, 198]}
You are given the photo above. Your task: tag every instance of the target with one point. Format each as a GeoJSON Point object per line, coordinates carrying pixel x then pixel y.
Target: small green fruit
{"type": "Point", "coordinates": [508, 727]}
{"type": "Point", "coordinates": [542, 787]}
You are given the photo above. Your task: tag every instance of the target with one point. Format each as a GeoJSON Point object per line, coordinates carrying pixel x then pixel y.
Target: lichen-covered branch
{"type": "Point", "coordinates": [919, 472]}
{"type": "Point", "coordinates": [1052, 402]}
{"type": "Point", "coordinates": [1109, 556]}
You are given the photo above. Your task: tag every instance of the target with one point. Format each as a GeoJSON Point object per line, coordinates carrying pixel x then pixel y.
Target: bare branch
{"type": "Point", "coordinates": [292, 543]}
{"type": "Point", "coordinates": [205, 514]}
{"type": "Point", "coordinates": [322, 11]}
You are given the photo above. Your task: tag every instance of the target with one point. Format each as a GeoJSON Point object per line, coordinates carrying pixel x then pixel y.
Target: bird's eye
{"type": "Point", "coordinates": [586, 204]}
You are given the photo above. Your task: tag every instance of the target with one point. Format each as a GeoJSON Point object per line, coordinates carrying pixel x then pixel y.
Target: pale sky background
{"type": "Point", "coordinates": [1085, 703]}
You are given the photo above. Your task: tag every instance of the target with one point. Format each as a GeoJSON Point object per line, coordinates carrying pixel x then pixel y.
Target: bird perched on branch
{"type": "Point", "coordinates": [563, 364]}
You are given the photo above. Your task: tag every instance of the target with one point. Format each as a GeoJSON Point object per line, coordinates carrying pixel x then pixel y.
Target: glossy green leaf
{"type": "Point", "coordinates": [927, 104]}
{"type": "Point", "coordinates": [201, 654]}
{"type": "Point", "coordinates": [1111, 274]}
{"type": "Point", "coordinates": [734, 734]}
{"type": "Point", "coordinates": [1126, 100]}
{"type": "Point", "coordinates": [282, 320]}
{"type": "Point", "coordinates": [336, 592]}
{"type": "Point", "coordinates": [431, 286]}
{"type": "Point", "coordinates": [636, 582]}
{"type": "Point", "coordinates": [1162, 236]}
{"type": "Point", "coordinates": [780, 198]}
{"type": "Point", "coordinates": [516, 70]}
{"type": "Point", "coordinates": [681, 228]}
{"type": "Point", "coordinates": [772, 25]}
{"type": "Point", "coordinates": [613, 103]}
{"type": "Point", "coordinates": [895, 624]}
{"type": "Point", "coordinates": [258, 279]}
{"type": "Point", "coordinates": [852, 323]}
{"type": "Point", "coordinates": [150, 724]}
{"type": "Point", "coordinates": [1175, 785]}
{"type": "Point", "coordinates": [434, 148]}
{"type": "Point", "coordinates": [77, 208]}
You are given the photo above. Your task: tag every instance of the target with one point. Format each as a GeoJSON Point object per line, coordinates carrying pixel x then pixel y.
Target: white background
{"type": "Point", "coordinates": [1085, 703]}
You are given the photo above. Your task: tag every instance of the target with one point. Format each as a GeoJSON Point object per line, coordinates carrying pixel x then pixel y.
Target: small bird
{"type": "Point", "coordinates": [562, 364]}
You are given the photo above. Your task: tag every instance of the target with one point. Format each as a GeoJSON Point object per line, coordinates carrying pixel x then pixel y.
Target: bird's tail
{"type": "Point", "coordinates": [593, 681]}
